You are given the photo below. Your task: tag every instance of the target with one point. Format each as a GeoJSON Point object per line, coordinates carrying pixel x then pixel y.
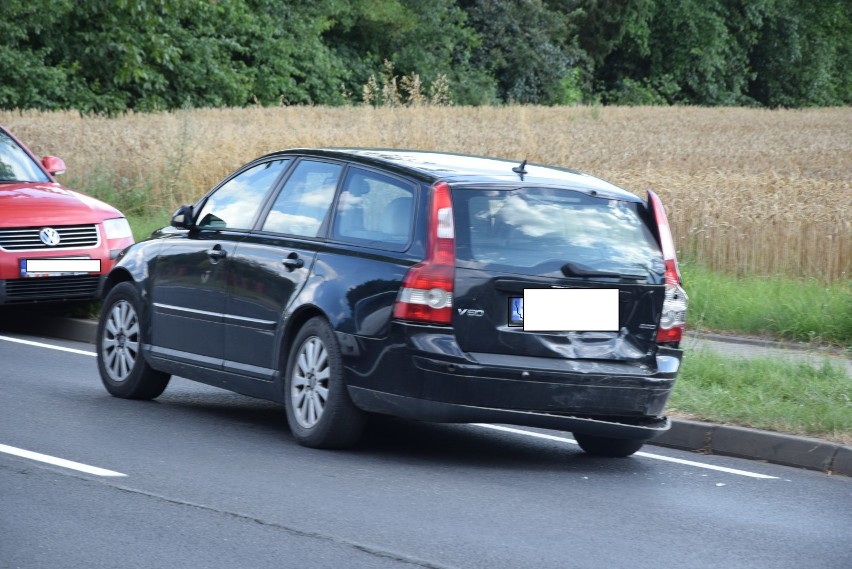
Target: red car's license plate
{"type": "Point", "coordinates": [36, 268]}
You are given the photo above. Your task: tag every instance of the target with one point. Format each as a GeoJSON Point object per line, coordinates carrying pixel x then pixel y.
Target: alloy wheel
{"type": "Point", "coordinates": [309, 386]}
{"type": "Point", "coordinates": [120, 347]}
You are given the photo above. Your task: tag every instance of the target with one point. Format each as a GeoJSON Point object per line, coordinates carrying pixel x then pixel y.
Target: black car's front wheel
{"type": "Point", "coordinates": [121, 363]}
{"type": "Point", "coordinates": [605, 446]}
{"type": "Point", "coordinates": [319, 410]}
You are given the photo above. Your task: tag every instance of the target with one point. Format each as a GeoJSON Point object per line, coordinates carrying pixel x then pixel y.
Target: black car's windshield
{"type": "Point", "coordinates": [16, 165]}
{"type": "Point", "coordinates": [543, 230]}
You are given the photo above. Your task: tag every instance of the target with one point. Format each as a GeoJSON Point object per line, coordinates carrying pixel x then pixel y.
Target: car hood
{"type": "Point", "coordinates": [29, 204]}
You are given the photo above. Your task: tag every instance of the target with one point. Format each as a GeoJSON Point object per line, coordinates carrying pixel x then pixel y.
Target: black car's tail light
{"type": "Point", "coordinates": [427, 290]}
{"type": "Point", "coordinates": [673, 317]}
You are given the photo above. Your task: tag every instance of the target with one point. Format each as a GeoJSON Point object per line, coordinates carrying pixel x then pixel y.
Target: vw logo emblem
{"type": "Point", "coordinates": [49, 236]}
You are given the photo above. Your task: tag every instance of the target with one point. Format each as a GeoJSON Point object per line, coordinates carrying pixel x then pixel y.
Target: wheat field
{"type": "Point", "coordinates": [748, 191]}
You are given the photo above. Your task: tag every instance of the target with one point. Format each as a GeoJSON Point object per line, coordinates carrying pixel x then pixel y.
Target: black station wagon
{"type": "Point", "coordinates": [436, 287]}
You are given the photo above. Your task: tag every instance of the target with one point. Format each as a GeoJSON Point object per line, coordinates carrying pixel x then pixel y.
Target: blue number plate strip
{"type": "Point", "coordinates": [516, 311]}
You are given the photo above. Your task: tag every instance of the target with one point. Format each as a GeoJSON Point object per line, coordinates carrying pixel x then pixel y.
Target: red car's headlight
{"type": "Point", "coordinates": [117, 228]}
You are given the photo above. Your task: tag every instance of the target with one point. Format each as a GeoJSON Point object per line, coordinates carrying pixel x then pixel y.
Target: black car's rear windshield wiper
{"type": "Point", "coordinates": [577, 270]}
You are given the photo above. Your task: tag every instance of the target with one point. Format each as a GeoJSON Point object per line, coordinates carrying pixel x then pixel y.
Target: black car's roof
{"type": "Point", "coordinates": [467, 169]}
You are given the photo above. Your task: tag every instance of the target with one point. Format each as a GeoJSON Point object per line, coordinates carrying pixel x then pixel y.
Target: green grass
{"type": "Point", "coordinates": [804, 310]}
{"type": "Point", "coordinates": [132, 197]}
{"type": "Point", "coordinates": [143, 225]}
{"type": "Point", "coordinates": [779, 395]}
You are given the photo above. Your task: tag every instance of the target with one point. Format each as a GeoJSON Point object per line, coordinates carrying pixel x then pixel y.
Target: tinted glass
{"type": "Point", "coordinates": [539, 230]}
{"type": "Point", "coordinates": [235, 204]}
{"type": "Point", "coordinates": [304, 200]}
{"type": "Point", "coordinates": [374, 209]}
{"type": "Point", "coordinates": [16, 165]}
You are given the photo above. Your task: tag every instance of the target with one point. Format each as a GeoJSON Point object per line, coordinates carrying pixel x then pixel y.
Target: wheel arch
{"type": "Point", "coordinates": [121, 274]}
{"type": "Point", "coordinates": [292, 326]}
{"type": "Point", "coordinates": [116, 276]}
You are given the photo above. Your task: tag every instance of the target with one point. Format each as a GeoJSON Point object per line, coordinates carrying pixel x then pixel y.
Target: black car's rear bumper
{"type": "Point", "coordinates": [422, 374]}
{"type": "Point", "coordinates": [440, 412]}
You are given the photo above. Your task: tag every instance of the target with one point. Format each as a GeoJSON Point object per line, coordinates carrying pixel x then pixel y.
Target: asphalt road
{"type": "Point", "coordinates": [205, 478]}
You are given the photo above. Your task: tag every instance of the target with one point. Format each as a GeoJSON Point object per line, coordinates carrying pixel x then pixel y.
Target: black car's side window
{"type": "Point", "coordinates": [305, 199]}
{"type": "Point", "coordinates": [374, 209]}
{"type": "Point", "coordinates": [235, 204]}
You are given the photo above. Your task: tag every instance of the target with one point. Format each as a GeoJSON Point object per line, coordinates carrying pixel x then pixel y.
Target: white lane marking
{"type": "Point", "coordinates": [59, 461]}
{"type": "Point", "coordinates": [643, 454]}
{"type": "Point", "coordinates": [51, 346]}
{"type": "Point", "coordinates": [79, 466]}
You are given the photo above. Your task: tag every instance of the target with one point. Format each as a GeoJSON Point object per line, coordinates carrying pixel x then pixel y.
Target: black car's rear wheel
{"type": "Point", "coordinates": [605, 446]}
{"type": "Point", "coordinates": [319, 410]}
{"type": "Point", "coordinates": [122, 366]}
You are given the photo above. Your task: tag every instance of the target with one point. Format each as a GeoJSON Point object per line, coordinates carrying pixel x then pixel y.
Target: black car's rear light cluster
{"type": "Point", "coordinates": [427, 291]}
{"type": "Point", "coordinates": [673, 317]}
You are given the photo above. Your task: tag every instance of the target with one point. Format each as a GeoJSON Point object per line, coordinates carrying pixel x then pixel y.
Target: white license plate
{"type": "Point", "coordinates": [570, 310]}
{"type": "Point", "coordinates": [34, 268]}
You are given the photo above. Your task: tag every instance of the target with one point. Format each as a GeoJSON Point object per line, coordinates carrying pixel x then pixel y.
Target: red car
{"type": "Point", "coordinates": [55, 244]}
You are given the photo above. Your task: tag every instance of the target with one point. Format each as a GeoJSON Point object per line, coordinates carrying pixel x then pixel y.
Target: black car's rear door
{"type": "Point", "coordinates": [271, 266]}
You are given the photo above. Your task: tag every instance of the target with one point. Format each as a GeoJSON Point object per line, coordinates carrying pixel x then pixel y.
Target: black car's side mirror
{"type": "Point", "coordinates": [182, 218]}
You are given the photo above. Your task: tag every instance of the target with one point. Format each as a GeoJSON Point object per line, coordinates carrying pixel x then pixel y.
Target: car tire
{"type": "Point", "coordinates": [121, 335]}
{"type": "Point", "coordinates": [319, 410]}
{"type": "Point", "coordinates": [605, 446]}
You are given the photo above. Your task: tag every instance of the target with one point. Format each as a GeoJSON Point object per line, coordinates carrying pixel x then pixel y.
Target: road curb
{"type": "Point", "coordinates": [695, 436]}
{"type": "Point", "coordinates": [754, 444]}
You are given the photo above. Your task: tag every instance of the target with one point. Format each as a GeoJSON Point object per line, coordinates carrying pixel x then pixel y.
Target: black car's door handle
{"type": "Point", "coordinates": [216, 253]}
{"type": "Point", "coordinates": [292, 261]}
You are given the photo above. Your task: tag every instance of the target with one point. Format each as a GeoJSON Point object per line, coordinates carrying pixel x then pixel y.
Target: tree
{"type": "Point", "coordinates": [431, 39]}
{"type": "Point", "coordinates": [30, 74]}
{"type": "Point", "coordinates": [107, 56]}
{"type": "Point", "coordinates": [149, 55]}
{"type": "Point", "coordinates": [288, 59]}
{"type": "Point", "coordinates": [615, 38]}
{"type": "Point", "coordinates": [803, 55]}
{"type": "Point", "coordinates": [681, 51]}
{"type": "Point", "coordinates": [528, 47]}
{"type": "Point", "coordinates": [604, 26]}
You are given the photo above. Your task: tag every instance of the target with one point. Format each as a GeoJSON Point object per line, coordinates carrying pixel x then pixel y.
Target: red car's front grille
{"type": "Point", "coordinates": [70, 237]}
{"type": "Point", "coordinates": [84, 286]}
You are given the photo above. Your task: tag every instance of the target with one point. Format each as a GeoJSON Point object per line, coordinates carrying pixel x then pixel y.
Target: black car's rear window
{"type": "Point", "coordinates": [538, 230]}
